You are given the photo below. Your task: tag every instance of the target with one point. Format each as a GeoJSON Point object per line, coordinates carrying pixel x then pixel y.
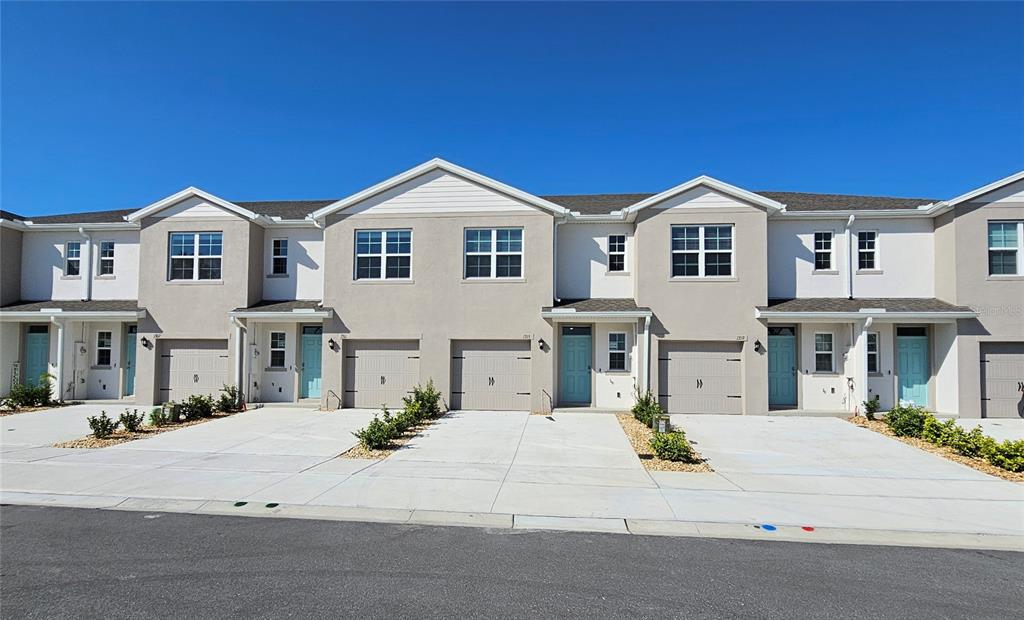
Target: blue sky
{"type": "Point", "coordinates": [112, 106]}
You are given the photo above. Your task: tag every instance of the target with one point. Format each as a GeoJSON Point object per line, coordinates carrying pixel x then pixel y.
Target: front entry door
{"type": "Point", "coordinates": [576, 356]}
{"type": "Point", "coordinates": [912, 365]}
{"type": "Point", "coordinates": [129, 361]}
{"type": "Point", "coordinates": [37, 353]}
{"type": "Point", "coordinates": [312, 348]}
{"type": "Point", "coordinates": [781, 366]}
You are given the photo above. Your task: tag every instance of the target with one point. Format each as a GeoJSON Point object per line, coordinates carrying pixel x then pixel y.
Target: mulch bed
{"type": "Point", "coordinates": [359, 452]}
{"type": "Point", "coordinates": [640, 436]}
{"type": "Point", "coordinates": [123, 436]}
{"type": "Point", "coordinates": [19, 410]}
{"type": "Point", "coordinates": [977, 463]}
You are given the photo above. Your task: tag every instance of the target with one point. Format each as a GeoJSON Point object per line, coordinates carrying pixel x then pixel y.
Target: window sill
{"type": "Point", "coordinates": [825, 272]}
{"type": "Point", "coordinates": [106, 277]}
{"type": "Point", "coordinates": [384, 281]}
{"type": "Point", "coordinates": [869, 272]}
{"type": "Point", "coordinates": [617, 273]}
{"type": "Point", "coordinates": [100, 367]}
{"type": "Point", "coordinates": [622, 373]}
{"type": "Point", "coordinates": [71, 277]}
{"type": "Point", "coordinates": [1006, 278]}
{"type": "Point", "coordinates": [875, 374]}
{"type": "Point", "coordinates": [277, 275]}
{"type": "Point", "coordinates": [493, 280]}
{"type": "Point", "coordinates": [196, 282]}
{"type": "Point", "coordinates": [703, 279]}
{"type": "Point", "coordinates": [824, 373]}
{"type": "Point", "coordinates": [275, 369]}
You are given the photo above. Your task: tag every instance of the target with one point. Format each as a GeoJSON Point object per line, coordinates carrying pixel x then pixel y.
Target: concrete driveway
{"type": "Point", "coordinates": [45, 428]}
{"type": "Point", "coordinates": [999, 429]}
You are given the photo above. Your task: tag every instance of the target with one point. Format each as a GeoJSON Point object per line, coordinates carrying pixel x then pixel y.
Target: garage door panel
{"type": "Point", "coordinates": [1002, 379]}
{"type": "Point", "coordinates": [380, 372]}
{"type": "Point", "coordinates": [700, 377]}
{"type": "Point", "coordinates": [491, 375]}
{"type": "Point", "coordinates": [192, 367]}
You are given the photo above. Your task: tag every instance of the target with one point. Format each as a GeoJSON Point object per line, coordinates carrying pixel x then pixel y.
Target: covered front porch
{"type": "Point", "coordinates": [600, 353]}
{"type": "Point", "coordinates": [834, 355]}
{"type": "Point", "coordinates": [283, 343]}
{"type": "Point", "coordinates": [86, 347]}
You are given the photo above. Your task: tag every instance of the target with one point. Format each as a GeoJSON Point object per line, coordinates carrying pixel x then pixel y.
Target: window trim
{"type": "Point", "coordinates": [831, 353]}
{"type": "Point", "coordinates": [494, 254]}
{"type": "Point", "coordinates": [272, 349]}
{"type": "Point", "coordinates": [100, 259]}
{"type": "Point", "coordinates": [701, 252]}
{"type": "Point", "coordinates": [195, 256]}
{"type": "Point", "coordinates": [621, 253]}
{"type": "Point", "coordinates": [831, 250]}
{"type": "Point", "coordinates": [383, 255]}
{"type": "Point", "coordinates": [877, 353]}
{"type": "Point", "coordinates": [109, 348]}
{"type": "Point", "coordinates": [624, 352]}
{"type": "Point", "coordinates": [1019, 249]}
{"type": "Point", "coordinates": [274, 255]}
{"type": "Point", "coordinates": [76, 259]}
{"type": "Point", "coordinates": [877, 260]}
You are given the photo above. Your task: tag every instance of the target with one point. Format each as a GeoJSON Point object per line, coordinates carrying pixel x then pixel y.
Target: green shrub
{"type": "Point", "coordinates": [6, 404]}
{"type": "Point", "coordinates": [935, 431]}
{"type": "Point", "coordinates": [428, 400]}
{"type": "Point", "coordinates": [1008, 455]}
{"type": "Point", "coordinates": [967, 443]}
{"type": "Point", "coordinates": [101, 425]}
{"type": "Point", "coordinates": [197, 406]}
{"type": "Point", "coordinates": [160, 417]}
{"type": "Point", "coordinates": [131, 420]}
{"type": "Point", "coordinates": [871, 407]}
{"type": "Point", "coordinates": [376, 435]}
{"type": "Point", "coordinates": [646, 407]}
{"type": "Point", "coordinates": [906, 420]}
{"type": "Point", "coordinates": [230, 400]}
{"type": "Point", "coordinates": [673, 447]}
{"type": "Point", "coordinates": [414, 410]}
{"type": "Point", "coordinates": [23, 395]}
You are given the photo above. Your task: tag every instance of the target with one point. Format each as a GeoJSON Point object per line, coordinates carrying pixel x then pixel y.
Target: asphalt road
{"type": "Point", "coordinates": [60, 562]}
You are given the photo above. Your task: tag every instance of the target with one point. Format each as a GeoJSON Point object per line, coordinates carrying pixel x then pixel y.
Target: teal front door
{"type": "Point", "coordinates": [129, 361]}
{"type": "Point", "coordinates": [912, 366]}
{"type": "Point", "coordinates": [576, 355]}
{"type": "Point", "coordinates": [37, 353]}
{"type": "Point", "coordinates": [781, 366]}
{"type": "Point", "coordinates": [312, 349]}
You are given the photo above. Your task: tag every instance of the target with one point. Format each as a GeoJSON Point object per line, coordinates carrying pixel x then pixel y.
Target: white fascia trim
{"type": "Point", "coordinates": [297, 316]}
{"type": "Point", "coordinates": [127, 315]}
{"type": "Point", "coordinates": [579, 316]}
{"type": "Point", "coordinates": [876, 314]}
{"type": "Point", "coordinates": [29, 225]}
{"type": "Point", "coordinates": [438, 164]}
{"type": "Point", "coordinates": [13, 224]}
{"type": "Point", "coordinates": [714, 184]}
{"type": "Point", "coordinates": [946, 205]}
{"type": "Point", "coordinates": [185, 193]}
{"type": "Point", "coordinates": [859, 214]}
{"type": "Point", "coordinates": [274, 222]}
{"type": "Point", "coordinates": [614, 217]}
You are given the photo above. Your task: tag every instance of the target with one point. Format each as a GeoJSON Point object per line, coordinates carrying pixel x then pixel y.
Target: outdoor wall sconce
{"type": "Point", "coordinates": [541, 343]}
{"type": "Point", "coordinates": [758, 347]}
{"type": "Point", "coordinates": [146, 343]}
{"type": "Point", "coordinates": [332, 344]}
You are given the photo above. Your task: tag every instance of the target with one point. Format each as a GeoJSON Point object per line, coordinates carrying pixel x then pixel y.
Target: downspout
{"type": "Point", "coordinates": [59, 377]}
{"type": "Point", "coordinates": [554, 262]}
{"type": "Point", "coordinates": [849, 257]}
{"type": "Point", "coordinates": [87, 259]}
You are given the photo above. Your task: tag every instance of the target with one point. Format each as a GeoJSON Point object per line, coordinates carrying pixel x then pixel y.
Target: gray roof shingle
{"type": "Point", "coordinates": [273, 305]}
{"type": "Point", "coordinates": [74, 305]}
{"type": "Point", "coordinates": [598, 305]}
{"type": "Point", "coordinates": [842, 304]}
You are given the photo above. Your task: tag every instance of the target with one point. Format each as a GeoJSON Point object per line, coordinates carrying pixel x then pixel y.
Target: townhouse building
{"type": "Point", "coordinates": [716, 298]}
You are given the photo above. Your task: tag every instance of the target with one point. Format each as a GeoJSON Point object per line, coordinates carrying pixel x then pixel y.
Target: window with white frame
{"type": "Point", "coordinates": [702, 251]}
{"type": "Point", "coordinates": [196, 256]}
{"type": "Point", "coordinates": [616, 252]}
{"type": "Point", "coordinates": [104, 341]}
{"type": "Point", "coordinates": [823, 251]}
{"type": "Point", "coordinates": [105, 266]}
{"type": "Point", "coordinates": [493, 253]}
{"type": "Point", "coordinates": [277, 349]}
{"type": "Point", "coordinates": [383, 254]}
{"type": "Point", "coordinates": [824, 357]}
{"type": "Point", "coordinates": [617, 351]}
{"type": "Point", "coordinates": [279, 257]}
{"type": "Point", "coordinates": [867, 250]}
{"type": "Point", "coordinates": [872, 352]}
{"type": "Point", "coordinates": [1005, 248]}
{"type": "Point", "coordinates": [73, 258]}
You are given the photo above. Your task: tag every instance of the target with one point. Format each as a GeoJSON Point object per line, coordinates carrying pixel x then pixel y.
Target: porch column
{"type": "Point", "coordinates": [59, 376]}
{"type": "Point", "coordinates": [860, 364]}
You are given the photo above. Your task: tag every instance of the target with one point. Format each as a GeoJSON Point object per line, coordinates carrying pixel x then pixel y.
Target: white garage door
{"type": "Point", "coordinates": [1002, 379]}
{"type": "Point", "coordinates": [492, 375]}
{"type": "Point", "coordinates": [192, 367]}
{"type": "Point", "coordinates": [700, 377]}
{"type": "Point", "coordinates": [380, 372]}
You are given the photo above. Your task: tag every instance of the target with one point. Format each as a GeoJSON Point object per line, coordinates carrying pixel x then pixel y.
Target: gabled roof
{"type": "Point", "coordinates": [173, 199]}
{"type": "Point", "coordinates": [430, 166]}
{"type": "Point", "coordinates": [801, 201]}
{"type": "Point", "coordinates": [981, 191]}
{"type": "Point", "coordinates": [285, 209]}
{"type": "Point", "coordinates": [715, 184]}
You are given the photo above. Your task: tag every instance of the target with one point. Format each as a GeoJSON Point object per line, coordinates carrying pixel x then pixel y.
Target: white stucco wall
{"type": "Point", "coordinates": [10, 352]}
{"type": "Point", "coordinates": [305, 279]}
{"type": "Point", "coordinates": [125, 282]}
{"type": "Point", "coordinates": [583, 262]}
{"type": "Point", "coordinates": [824, 391]}
{"type": "Point", "coordinates": [266, 385]}
{"type": "Point", "coordinates": [944, 363]}
{"type": "Point", "coordinates": [42, 266]}
{"type": "Point", "coordinates": [614, 389]}
{"type": "Point", "coordinates": [905, 258]}
{"type": "Point", "coordinates": [883, 383]}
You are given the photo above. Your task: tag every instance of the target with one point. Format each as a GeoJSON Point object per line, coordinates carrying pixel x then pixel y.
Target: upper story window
{"type": "Point", "coordinates": [1005, 248]}
{"type": "Point", "coordinates": [72, 258]}
{"type": "Point", "coordinates": [617, 351]}
{"type": "Point", "coordinates": [824, 358]}
{"type": "Point", "coordinates": [702, 251]}
{"type": "Point", "coordinates": [823, 251]}
{"type": "Point", "coordinates": [105, 267]}
{"type": "Point", "coordinates": [104, 347]}
{"type": "Point", "coordinates": [616, 252]}
{"type": "Point", "coordinates": [494, 253]}
{"type": "Point", "coordinates": [277, 349]}
{"type": "Point", "coordinates": [279, 257]}
{"type": "Point", "coordinates": [867, 250]}
{"type": "Point", "coordinates": [383, 254]}
{"type": "Point", "coordinates": [196, 256]}
{"type": "Point", "coordinates": [872, 352]}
